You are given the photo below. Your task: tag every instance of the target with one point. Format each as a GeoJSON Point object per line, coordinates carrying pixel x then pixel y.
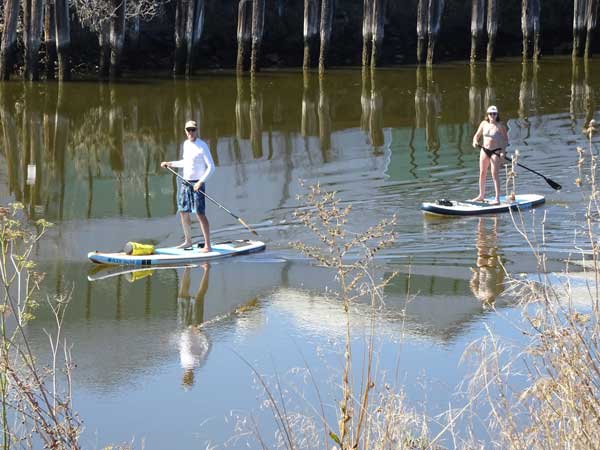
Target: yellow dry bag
{"type": "Point", "coordinates": [136, 249]}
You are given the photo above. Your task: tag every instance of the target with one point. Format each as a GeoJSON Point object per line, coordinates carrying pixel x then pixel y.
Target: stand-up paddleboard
{"type": "Point", "coordinates": [473, 208]}
{"type": "Point", "coordinates": [173, 255]}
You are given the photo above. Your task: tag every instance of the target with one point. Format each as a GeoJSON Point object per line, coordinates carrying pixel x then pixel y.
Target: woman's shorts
{"type": "Point", "coordinates": [191, 201]}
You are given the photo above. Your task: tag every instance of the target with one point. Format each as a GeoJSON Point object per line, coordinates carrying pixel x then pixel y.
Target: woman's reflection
{"type": "Point", "coordinates": [194, 345]}
{"type": "Point", "coordinates": [488, 276]}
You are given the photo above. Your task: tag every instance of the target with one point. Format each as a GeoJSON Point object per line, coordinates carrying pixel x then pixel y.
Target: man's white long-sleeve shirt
{"type": "Point", "coordinates": [196, 161]}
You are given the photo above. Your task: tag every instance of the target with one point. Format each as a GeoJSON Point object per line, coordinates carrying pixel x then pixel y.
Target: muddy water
{"type": "Point", "coordinates": [161, 355]}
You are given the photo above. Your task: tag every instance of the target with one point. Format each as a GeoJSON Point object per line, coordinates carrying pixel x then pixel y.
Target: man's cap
{"type": "Point", "coordinates": [492, 109]}
{"type": "Point", "coordinates": [190, 124]}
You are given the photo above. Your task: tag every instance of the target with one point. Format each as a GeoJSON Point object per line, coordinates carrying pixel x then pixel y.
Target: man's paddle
{"type": "Point", "coordinates": [553, 184]}
{"type": "Point", "coordinates": [215, 202]}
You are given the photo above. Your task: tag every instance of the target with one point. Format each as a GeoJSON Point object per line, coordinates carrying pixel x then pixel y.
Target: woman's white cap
{"type": "Point", "coordinates": [492, 109]}
{"type": "Point", "coordinates": [190, 124]}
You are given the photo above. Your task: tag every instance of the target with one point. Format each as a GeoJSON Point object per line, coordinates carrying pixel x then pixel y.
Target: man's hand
{"type": "Point", "coordinates": [165, 164]}
{"type": "Point", "coordinates": [198, 185]}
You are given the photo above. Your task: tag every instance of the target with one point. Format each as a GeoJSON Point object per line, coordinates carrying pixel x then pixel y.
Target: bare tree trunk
{"type": "Point", "coordinates": [194, 28]}
{"type": "Point", "coordinates": [117, 38]}
{"type": "Point", "coordinates": [422, 9]}
{"type": "Point", "coordinates": [378, 24]}
{"type": "Point", "coordinates": [436, 9]}
{"type": "Point", "coordinates": [477, 20]}
{"type": "Point", "coordinates": [9, 38]}
{"type": "Point", "coordinates": [244, 33]}
{"type": "Point", "coordinates": [492, 28]}
{"type": "Point", "coordinates": [535, 12]}
{"type": "Point", "coordinates": [63, 38]}
{"type": "Point", "coordinates": [180, 42]}
{"type": "Point", "coordinates": [258, 26]}
{"type": "Point", "coordinates": [311, 31]}
{"type": "Point", "coordinates": [367, 31]}
{"type": "Point", "coordinates": [591, 16]}
{"type": "Point", "coordinates": [327, 11]}
{"type": "Point", "coordinates": [33, 20]}
{"type": "Point", "coordinates": [50, 39]}
{"type": "Point", "coordinates": [133, 34]}
{"type": "Point", "coordinates": [530, 27]}
{"type": "Point", "coordinates": [579, 10]}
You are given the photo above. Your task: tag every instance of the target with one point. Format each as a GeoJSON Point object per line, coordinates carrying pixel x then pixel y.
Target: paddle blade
{"type": "Point", "coordinates": [248, 227]}
{"type": "Point", "coordinates": [553, 184]}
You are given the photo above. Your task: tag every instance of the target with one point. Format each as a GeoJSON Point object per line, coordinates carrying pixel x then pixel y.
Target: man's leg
{"type": "Point", "coordinates": [186, 224]}
{"type": "Point", "coordinates": [205, 227]}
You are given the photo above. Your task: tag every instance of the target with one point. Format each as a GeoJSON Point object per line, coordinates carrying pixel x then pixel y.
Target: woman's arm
{"type": "Point", "coordinates": [477, 135]}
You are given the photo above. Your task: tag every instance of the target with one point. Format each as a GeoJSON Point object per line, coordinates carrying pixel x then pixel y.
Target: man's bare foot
{"type": "Point", "coordinates": [184, 245]}
{"type": "Point", "coordinates": [206, 249]}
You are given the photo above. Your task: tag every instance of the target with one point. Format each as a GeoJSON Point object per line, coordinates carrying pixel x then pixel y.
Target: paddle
{"type": "Point", "coordinates": [215, 202]}
{"type": "Point", "coordinates": [553, 184]}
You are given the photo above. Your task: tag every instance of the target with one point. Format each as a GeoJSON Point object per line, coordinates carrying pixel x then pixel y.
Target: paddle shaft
{"type": "Point", "coordinates": [553, 184]}
{"type": "Point", "coordinates": [214, 201]}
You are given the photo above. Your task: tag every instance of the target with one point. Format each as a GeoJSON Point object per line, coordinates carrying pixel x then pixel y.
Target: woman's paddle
{"type": "Point", "coordinates": [553, 184]}
{"type": "Point", "coordinates": [215, 202]}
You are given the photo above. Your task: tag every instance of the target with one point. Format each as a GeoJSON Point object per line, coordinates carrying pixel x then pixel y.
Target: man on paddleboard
{"type": "Point", "coordinates": [198, 165]}
{"type": "Point", "coordinates": [495, 141]}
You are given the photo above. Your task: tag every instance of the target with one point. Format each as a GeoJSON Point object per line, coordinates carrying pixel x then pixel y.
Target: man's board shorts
{"type": "Point", "coordinates": [191, 201]}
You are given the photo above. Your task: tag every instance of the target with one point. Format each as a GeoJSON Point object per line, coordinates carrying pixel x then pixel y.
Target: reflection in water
{"type": "Point", "coordinates": [528, 96]}
{"type": "Point", "coordinates": [428, 108]}
{"type": "Point", "coordinates": [194, 345]}
{"type": "Point", "coordinates": [249, 116]}
{"type": "Point", "coordinates": [488, 275]}
{"type": "Point", "coordinates": [582, 104]}
{"type": "Point", "coordinates": [371, 119]}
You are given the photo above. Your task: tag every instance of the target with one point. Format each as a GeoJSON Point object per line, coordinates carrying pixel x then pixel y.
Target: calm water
{"type": "Point", "coordinates": [160, 354]}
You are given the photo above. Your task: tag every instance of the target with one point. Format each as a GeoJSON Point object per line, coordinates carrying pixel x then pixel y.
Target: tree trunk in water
{"type": "Point", "coordinates": [422, 9]}
{"type": "Point", "coordinates": [311, 31]}
{"type": "Point", "coordinates": [579, 10]}
{"type": "Point", "coordinates": [530, 27]}
{"type": "Point", "coordinates": [378, 24]}
{"type": "Point", "coordinates": [180, 42]}
{"type": "Point", "coordinates": [104, 44]}
{"type": "Point", "coordinates": [63, 39]}
{"type": "Point", "coordinates": [592, 12]}
{"type": "Point", "coordinates": [434, 18]}
{"type": "Point", "coordinates": [477, 19]}
{"type": "Point", "coordinates": [492, 28]}
{"type": "Point", "coordinates": [50, 39]}
{"type": "Point", "coordinates": [327, 10]}
{"type": "Point", "coordinates": [9, 38]}
{"type": "Point", "coordinates": [33, 22]}
{"type": "Point", "coordinates": [258, 26]}
{"type": "Point", "coordinates": [535, 11]}
{"type": "Point", "coordinates": [244, 34]}
{"type": "Point", "coordinates": [367, 31]}
{"type": "Point", "coordinates": [117, 38]}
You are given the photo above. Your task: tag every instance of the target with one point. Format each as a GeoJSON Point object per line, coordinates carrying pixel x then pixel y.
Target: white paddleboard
{"type": "Point", "coordinates": [174, 256]}
{"type": "Point", "coordinates": [473, 208]}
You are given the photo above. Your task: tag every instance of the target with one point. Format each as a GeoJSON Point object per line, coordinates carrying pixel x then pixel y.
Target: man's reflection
{"type": "Point", "coordinates": [488, 275]}
{"type": "Point", "coordinates": [194, 345]}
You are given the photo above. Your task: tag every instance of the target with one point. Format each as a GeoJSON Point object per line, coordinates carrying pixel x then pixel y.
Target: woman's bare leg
{"type": "Point", "coordinates": [496, 178]}
{"type": "Point", "coordinates": [484, 163]}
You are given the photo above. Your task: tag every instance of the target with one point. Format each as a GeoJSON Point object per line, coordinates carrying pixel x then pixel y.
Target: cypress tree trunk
{"type": "Point", "coordinates": [49, 39]}
{"type": "Point", "coordinates": [327, 11]}
{"type": "Point", "coordinates": [117, 38]}
{"type": "Point", "coordinates": [422, 8]}
{"type": "Point", "coordinates": [9, 38]}
{"type": "Point", "coordinates": [63, 38]}
{"type": "Point", "coordinates": [592, 12]}
{"type": "Point", "coordinates": [244, 34]}
{"type": "Point", "coordinates": [378, 24]}
{"type": "Point", "coordinates": [579, 10]}
{"type": "Point", "coordinates": [436, 9]}
{"type": "Point", "coordinates": [33, 20]}
{"type": "Point", "coordinates": [477, 19]}
{"type": "Point", "coordinates": [180, 42]}
{"type": "Point", "coordinates": [258, 25]}
{"type": "Point", "coordinates": [310, 32]}
{"type": "Point", "coordinates": [492, 28]}
{"type": "Point", "coordinates": [535, 12]}
{"type": "Point", "coordinates": [367, 31]}
{"type": "Point", "coordinates": [194, 28]}
{"type": "Point", "coordinates": [104, 44]}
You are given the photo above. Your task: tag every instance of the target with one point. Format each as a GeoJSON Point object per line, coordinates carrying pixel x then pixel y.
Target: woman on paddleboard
{"type": "Point", "coordinates": [198, 165]}
{"type": "Point", "coordinates": [495, 141]}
